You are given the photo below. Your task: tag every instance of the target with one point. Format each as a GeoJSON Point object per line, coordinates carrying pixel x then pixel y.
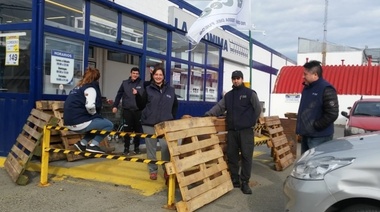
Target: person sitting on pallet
{"type": "Point", "coordinates": [243, 109]}
{"type": "Point", "coordinates": [82, 112]}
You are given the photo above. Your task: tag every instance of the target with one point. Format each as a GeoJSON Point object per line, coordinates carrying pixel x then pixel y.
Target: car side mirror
{"type": "Point", "coordinates": [345, 114]}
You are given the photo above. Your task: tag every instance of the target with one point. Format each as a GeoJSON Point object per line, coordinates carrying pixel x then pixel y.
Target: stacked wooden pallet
{"type": "Point", "coordinates": [55, 138]}
{"type": "Point", "coordinates": [26, 143]}
{"type": "Point", "coordinates": [281, 152]}
{"type": "Point", "coordinates": [199, 165]}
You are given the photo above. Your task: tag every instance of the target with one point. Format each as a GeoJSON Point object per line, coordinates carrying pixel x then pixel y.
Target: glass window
{"type": "Point", "coordinates": [132, 31]}
{"type": "Point", "coordinates": [63, 64]}
{"type": "Point", "coordinates": [196, 84]}
{"type": "Point", "coordinates": [123, 57]}
{"type": "Point", "coordinates": [179, 76]}
{"type": "Point", "coordinates": [103, 22]}
{"type": "Point", "coordinates": [117, 56]}
{"type": "Point", "coordinates": [15, 62]}
{"type": "Point", "coordinates": [179, 46]}
{"type": "Point", "coordinates": [213, 56]}
{"type": "Point", "coordinates": [151, 63]}
{"type": "Point", "coordinates": [211, 86]}
{"type": "Point", "coordinates": [15, 11]}
{"type": "Point", "coordinates": [198, 53]}
{"type": "Point", "coordinates": [66, 14]}
{"type": "Point", "coordinates": [157, 38]}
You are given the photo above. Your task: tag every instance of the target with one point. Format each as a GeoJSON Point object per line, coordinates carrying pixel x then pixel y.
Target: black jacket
{"type": "Point", "coordinates": [318, 110]}
{"type": "Point", "coordinates": [158, 104]}
{"type": "Point", "coordinates": [125, 92]}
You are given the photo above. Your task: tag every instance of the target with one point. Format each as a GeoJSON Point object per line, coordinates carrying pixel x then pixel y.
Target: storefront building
{"type": "Point", "coordinates": [47, 44]}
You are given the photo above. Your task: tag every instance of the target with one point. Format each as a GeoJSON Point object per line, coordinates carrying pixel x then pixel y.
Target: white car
{"type": "Point", "coordinates": [340, 175]}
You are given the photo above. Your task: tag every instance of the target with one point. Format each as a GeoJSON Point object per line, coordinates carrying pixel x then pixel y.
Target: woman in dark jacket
{"type": "Point", "coordinates": [82, 112]}
{"type": "Point", "coordinates": [158, 103]}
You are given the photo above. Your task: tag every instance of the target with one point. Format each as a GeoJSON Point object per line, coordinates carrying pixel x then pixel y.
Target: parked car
{"type": "Point", "coordinates": [364, 116]}
{"type": "Point", "coordinates": [340, 175]}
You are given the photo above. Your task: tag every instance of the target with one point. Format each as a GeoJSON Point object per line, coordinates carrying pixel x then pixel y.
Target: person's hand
{"type": "Point", "coordinates": [114, 110]}
{"type": "Point", "coordinates": [134, 91]}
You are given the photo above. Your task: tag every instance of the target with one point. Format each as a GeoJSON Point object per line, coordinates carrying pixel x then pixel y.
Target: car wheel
{"type": "Point", "coordinates": [361, 208]}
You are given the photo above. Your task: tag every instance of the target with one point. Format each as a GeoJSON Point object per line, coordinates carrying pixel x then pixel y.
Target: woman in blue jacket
{"type": "Point", "coordinates": [82, 112]}
{"type": "Point", "coordinates": [158, 103]}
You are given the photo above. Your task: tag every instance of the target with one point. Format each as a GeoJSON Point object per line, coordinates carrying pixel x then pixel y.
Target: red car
{"type": "Point", "coordinates": [364, 116]}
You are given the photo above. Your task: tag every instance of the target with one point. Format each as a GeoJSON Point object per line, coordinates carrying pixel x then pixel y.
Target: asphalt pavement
{"type": "Point", "coordinates": [66, 193]}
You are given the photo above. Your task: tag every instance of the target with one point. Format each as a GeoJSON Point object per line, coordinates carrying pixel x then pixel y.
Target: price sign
{"type": "Point", "coordinates": [12, 50]}
{"type": "Point", "coordinates": [11, 58]}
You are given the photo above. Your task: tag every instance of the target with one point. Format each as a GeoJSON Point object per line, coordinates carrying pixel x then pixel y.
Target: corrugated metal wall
{"type": "Point", "coordinates": [348, 80]}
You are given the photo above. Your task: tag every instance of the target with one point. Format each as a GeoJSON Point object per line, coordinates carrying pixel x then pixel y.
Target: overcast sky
{"type": "Point", "coordinates": [354, 23]}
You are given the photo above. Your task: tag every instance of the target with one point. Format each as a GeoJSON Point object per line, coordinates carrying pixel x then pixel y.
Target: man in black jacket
{"type": "Point", "coordinates": [243, 109]}
{"type": "Point", "coordinates": [318, 108]}
{"type": "Point", "coordinates": [131, 113]}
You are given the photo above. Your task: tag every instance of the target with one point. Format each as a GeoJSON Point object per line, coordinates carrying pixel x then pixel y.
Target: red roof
{"type": "Point", "coordinates": [348, 80]}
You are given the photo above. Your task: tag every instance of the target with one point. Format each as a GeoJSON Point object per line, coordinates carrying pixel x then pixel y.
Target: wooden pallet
{"type": "Point", "coordinates": [279, 144]}
{"type": "Point", "coordinates": [199, 165]}
{"type": "Point", "coordinates": [26, 143]}
{"type": "Point", "coordinates": [55, 135]}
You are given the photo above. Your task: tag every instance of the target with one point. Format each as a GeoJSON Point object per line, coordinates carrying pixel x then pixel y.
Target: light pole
{"type": "Point", "coordinates": [250, 53]}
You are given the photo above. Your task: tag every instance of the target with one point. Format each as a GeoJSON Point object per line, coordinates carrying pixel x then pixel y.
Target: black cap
{"type": "Point", "coordinates": [237, 74]}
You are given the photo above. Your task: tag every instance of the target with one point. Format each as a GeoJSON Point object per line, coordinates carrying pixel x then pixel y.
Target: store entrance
{"type": "Point", "coordinates": [114, 67]}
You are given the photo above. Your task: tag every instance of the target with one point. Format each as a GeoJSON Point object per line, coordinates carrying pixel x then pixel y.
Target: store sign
{"type": "Point", "coordinates": [292, 98]}
{"type": "Point", "coordinates": [62, 67]}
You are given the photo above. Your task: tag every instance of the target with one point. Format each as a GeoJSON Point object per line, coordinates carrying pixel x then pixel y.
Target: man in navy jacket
{"type": "Point", "coordinates": [243, 109]}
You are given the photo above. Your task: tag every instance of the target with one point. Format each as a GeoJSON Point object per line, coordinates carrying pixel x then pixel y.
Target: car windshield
{"type": "Point", "coordinates": [367, 109]}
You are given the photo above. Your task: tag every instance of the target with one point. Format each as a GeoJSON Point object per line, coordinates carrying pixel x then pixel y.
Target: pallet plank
{"type": "Point", "coordinates": [171, 136]}
{"type": "Point", "coordinates": [194, 146]}
{"type": "Point", "coordinates": [194, 160]}
{"type": "Point", "coordinates": [205, 198]}
{"type": "Point", "coordinates": [183, 124]}
{"type": "Point", "coordinates": [188, 180]}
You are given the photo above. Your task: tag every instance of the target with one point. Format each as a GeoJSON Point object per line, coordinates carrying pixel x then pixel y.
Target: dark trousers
{"type": "Point", "coordinates": [132, 120]}
{"type": "Point", "coordinates": [240, 141]}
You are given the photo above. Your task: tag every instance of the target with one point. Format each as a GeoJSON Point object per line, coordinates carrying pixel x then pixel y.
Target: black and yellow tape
{"type": "Point", "coordinates": [258, 143]}
{"type": "Point", "coordinates": [111, 133]}
{"type": "Point", "coordinates": [107, 156]}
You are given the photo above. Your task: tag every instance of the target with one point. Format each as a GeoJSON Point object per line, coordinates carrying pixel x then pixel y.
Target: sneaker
{"type": "Point", "coordinates": [136, 152]}
{"type": "Point", "coordinates": [245, 188]}
{"type": "Point", "coordinates": [126, 152]}
{"type": "Point", "coordinates": [236, 183]}
{"type": "Point", "coordinates": [94, 149]}
{"type": "Point", "coordinates": [153, 176]}
{"type": "Point", "coordinates": [80, 146]}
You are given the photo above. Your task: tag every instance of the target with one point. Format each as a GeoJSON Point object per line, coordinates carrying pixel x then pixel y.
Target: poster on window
{"type": "Point", "coordinates": [12, 44]}
{"type": "Point", "coordinates": [62, 67]}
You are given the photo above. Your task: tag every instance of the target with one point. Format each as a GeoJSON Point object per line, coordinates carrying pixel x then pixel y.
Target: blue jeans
{"type": "Point", "coordinates": [96, 124]}
{"type": "Point", "coordinates": [309, 142]}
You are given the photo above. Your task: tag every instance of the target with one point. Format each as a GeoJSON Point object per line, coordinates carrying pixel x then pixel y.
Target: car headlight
{"type": "Point", "coordinates": [355, 130]}
{"type": "Point", "coordinates": [317, 168]}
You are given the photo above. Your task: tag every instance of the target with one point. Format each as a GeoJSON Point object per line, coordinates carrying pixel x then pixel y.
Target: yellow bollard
{"type": "Point", "coordinates": [45, 157]}
{"type": "Point", "coordinates": [171, 193]}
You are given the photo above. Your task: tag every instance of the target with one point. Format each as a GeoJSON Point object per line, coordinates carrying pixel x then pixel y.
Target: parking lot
{"type": "Point", "coordinates": [73, 194]}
